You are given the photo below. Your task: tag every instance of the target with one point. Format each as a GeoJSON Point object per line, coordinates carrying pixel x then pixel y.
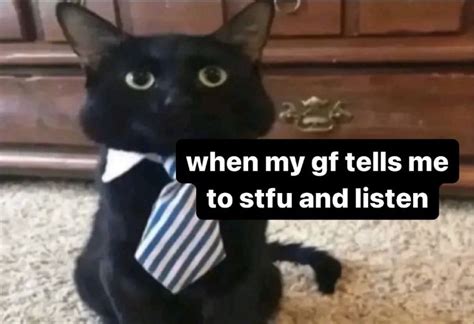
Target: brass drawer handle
{"type": "Point", "coordinates": [283, 6]}
{"type": "Point", "coordinates": [79, 2]}
{"type": "Point", "coordinates": [315, 115]}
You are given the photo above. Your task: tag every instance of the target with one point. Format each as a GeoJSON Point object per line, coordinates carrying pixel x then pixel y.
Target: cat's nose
{"type": "Point", "coordinates": [177, 98]}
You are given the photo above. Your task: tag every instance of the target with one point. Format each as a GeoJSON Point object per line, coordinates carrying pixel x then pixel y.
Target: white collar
{"type": "Point", "coordinates": [119, 162]}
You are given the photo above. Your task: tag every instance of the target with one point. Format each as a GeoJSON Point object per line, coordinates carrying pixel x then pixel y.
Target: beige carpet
{"type": "Point", "coordinates": [395, 271]}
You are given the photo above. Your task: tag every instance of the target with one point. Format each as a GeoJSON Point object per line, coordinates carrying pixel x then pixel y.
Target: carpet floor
{"type": "Point", "coordinates": [394, 271]}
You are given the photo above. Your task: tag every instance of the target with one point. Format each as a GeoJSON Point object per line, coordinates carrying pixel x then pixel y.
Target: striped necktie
{"type": "Point", "coordinates": [177, 248]}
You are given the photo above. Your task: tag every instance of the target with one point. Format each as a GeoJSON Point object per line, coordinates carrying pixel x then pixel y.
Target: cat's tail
{"type": "Point", "coordinates": [327, 268]}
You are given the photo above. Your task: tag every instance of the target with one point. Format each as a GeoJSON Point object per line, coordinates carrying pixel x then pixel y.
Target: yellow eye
{"type": "Point", "coordinates": [140, 81]}
{"type": "Point", "coordinates": [213, 76]}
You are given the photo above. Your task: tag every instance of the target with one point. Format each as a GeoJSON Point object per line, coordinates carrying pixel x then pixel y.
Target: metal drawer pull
{"type": "Point", "coordinates": [283, 6]}
{"type": "Point", "coordinates": [79, 2]}
{"type": "Point", "coordinates": [315, 115]}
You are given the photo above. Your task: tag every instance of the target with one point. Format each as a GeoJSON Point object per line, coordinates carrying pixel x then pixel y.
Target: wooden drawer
{"type": "Point", "coordinates": [300, 17]}
{"type": "Point", "coordinates": [41, 110]}
{"type": "Point", "coordinates": [410, 16]}
{"type": "Point", "coordinates": [164, 16]}
{"type": "Point", "coordinates": [51, 29]}
{"type": "Point", "coordinates": [386, 104]}
{"type": "Point", "coordinates": [40, 135]}
{"type": "Point", "coordinates": [10, 28]}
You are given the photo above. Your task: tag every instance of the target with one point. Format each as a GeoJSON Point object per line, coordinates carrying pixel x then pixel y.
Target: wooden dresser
{"type": "Point", "coordinates": [403, 68]}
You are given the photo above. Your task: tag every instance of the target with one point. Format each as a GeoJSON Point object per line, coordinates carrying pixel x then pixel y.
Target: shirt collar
{"type": "Point", "coordinates": [119, 162]}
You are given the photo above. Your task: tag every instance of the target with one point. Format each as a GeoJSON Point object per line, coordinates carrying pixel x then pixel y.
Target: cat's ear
{"type": "Point", "coordinates": [249, 29]}
{"type": "Point", "coordinates": [90, 36]}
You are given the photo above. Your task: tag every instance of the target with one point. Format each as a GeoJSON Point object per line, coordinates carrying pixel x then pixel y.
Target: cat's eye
{"type": "Point", "coordinates": [140, 81]}
{"type": "Point", "coordinates": [213, 76]}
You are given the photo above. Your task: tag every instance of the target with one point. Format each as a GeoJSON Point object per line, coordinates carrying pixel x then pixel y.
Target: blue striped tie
{"type": "Point", "coordinates": [177, 248]}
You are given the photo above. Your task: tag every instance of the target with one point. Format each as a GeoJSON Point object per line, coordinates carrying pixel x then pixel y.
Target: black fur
{"type": "Point", "coordinates": [246, 287]}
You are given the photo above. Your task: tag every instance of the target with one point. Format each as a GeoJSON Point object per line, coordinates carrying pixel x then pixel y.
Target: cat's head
{"type": "Point", "coordinates": [145, 93]}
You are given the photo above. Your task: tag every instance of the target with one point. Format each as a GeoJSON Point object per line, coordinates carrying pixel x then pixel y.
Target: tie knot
{"type": "Point", "coordinates": [169, 163]}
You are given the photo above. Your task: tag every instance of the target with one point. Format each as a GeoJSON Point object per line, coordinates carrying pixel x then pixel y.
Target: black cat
{"type": "Point", "coordinates": [145, 93]}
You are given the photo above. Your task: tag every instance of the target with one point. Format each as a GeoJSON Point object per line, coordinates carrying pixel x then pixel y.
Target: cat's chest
{"type": "Point", "coordinates": [130, 198]}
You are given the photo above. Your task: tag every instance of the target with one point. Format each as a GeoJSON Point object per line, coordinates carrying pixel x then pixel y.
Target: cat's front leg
{"type": "Point", "coordinates": [128, 307]}
{"type": "Point", "coordinates": [244, 304]}
{"type": "Point", "coordinates": [134, 302]}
